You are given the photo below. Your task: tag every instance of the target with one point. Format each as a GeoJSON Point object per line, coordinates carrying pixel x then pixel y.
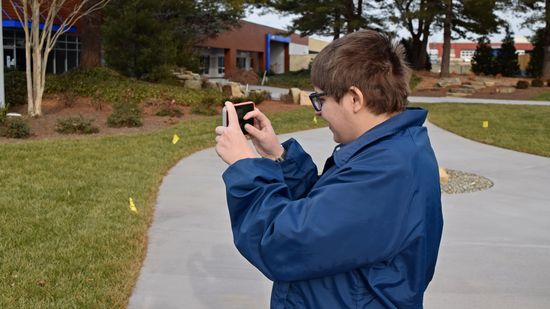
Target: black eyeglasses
{"type": "Point", "coordinates": [316, 100]}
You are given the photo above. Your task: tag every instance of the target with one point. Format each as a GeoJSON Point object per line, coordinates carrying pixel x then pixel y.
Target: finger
{"type": "Point", "coordinates": [256, 113]}
{"type": "Point", "coordinates": [219, 130]}
{"type": "Point", "coordinates": [232, 115]}
{"type": "Point", "coordinates": [253, 131]}
{"type": "Point", "coordinates": [218, 139]}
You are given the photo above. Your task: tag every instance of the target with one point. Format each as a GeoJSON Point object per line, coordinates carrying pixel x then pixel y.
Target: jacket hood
{"type": "Point", "coordinates": [411, 117]}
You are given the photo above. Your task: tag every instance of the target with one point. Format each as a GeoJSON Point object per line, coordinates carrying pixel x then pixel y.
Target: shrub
{"type": "Point", "coordinates": [537, 83]}
{"type": "Point", "coordinates": [243, 76]}
{"type": "Point", "coordinates": [14, 127]}
{"type": "Point", "coordinates": [3, 114]}
{"type": "Point", "coordinates": [75, 125]}
{"type": "Point", "coordinates": [206, 106]}
{"type": "Point", "coordinates": [68, 98]}
{"type": "Point", "coordinates": [161, 73]}
{"type": "Point", "coordinates": [259, 96]}
{"type": "Point", "coordinates": [169, 112]}
{"type": "Point", "coordinates": [15, 84]}
{"type": "Point", "coordinates": [522, 84]}
{"type": "Point", "coordinates": [126, 114]}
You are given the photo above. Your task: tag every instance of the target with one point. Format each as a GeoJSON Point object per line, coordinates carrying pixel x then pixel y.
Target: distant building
{"type": "Point", "coordinates": [255, 47]}
{"type": "Point", "coordinates": [64, 56]}
{"type": "Point", "coordinates": [464, 50]}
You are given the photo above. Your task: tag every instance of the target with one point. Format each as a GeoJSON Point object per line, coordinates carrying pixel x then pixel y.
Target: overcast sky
{"type": "Point", "coordinates": [281, 22]}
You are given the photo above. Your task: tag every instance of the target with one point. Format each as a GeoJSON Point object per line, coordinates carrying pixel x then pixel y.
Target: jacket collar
{"type": "Point", "coordinates": [411, 117]}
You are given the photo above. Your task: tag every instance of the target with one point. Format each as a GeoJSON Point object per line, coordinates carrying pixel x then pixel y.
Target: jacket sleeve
{"type": "Point", "coordinates": [299, 171]}
{"type": "Point", "coordinates": [359, 216]}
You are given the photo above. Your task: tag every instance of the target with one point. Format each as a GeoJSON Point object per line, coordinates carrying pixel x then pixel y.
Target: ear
{"type": "Point", "coordinates": [358, 100]}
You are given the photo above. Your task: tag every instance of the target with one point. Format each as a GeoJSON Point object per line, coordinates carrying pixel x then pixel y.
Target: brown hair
{"type": "Point", "coordinates": [370, 61]}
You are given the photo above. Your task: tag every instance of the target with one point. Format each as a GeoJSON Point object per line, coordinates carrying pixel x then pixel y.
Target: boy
{"type": "Point", "coordinates": [366, 232]}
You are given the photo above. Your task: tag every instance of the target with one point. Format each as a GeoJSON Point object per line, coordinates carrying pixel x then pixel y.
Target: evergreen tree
{"type": "Point", "coordinates": [482, 62]}
{"type": "Point", "coordinates": [534, 68]}
{"type": "Point", "coordinates": [506, 62]}
{"type": "Point", "coordinates": [142, 37]}
{"type": "Point", "coordinates": [539, 13]}
{"type": "Point", "coordinates": [331, 17]}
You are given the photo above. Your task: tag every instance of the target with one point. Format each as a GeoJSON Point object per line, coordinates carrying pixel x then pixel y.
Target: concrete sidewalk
{"type": "Point", "coordinates": [495, 251]}
{"type": "Point", "coordinates": [277, 92]}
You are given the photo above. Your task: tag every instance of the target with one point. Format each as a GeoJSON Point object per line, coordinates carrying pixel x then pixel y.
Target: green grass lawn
{"type": "Point", "coordinates": [519, 127]}
{"type": "Point", "coordinates": [545, 96]}
{"type": "Point", "coordinates": [67, 236]}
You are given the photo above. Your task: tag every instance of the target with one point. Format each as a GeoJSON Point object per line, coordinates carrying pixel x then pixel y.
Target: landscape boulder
{"type": "Point", "coordinates": [446, 82]}
{"type": "Point", "coordinates": [304, 98]}
{"type": "Point", "coordinates": [295, 94]}
{"type": "Point", "coordinates": [232, 90]}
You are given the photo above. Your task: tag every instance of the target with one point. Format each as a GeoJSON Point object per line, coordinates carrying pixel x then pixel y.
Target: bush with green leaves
{"type": "Point", "coordinates": [14, 127]}
{"type": "Point", "coordinates": [15, 84]}
{"type": "Point", "coordinates": [537, 83]}
{"type": "Point", "coordinates": [206, 106]}
{"type": "Point", "coordinates": [75, 125]}
{"type": "Point", "coordinates": [106, 85]}
{"type": "Point", "coordinates": [522, 84]}
{"type": "Point", "coordinates": [125, 114]}
{"type": "Point", "coordinates": [259, 96]}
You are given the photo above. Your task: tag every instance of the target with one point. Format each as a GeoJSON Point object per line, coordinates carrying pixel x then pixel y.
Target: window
{"type": "Point", "coordinates": [241, 62]}
{"type": "Point", "coordinates": [467, 53]}
{"type": "Point", "coordinates": [221, 65]}
{"type": "Point", "coordinates": [205, 64]}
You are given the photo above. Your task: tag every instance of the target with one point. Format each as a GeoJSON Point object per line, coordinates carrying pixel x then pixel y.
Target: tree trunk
{"type": "Point", "coordinates": [337, 24]}
{"type": "Point", "coordinates": [546, 59]}
{"type": "Point", "coordinates": [90, 37]}
{"type": "Point", "coordinates": [416, 50]}
{"type": "Point", "coordinates": [447, 24]}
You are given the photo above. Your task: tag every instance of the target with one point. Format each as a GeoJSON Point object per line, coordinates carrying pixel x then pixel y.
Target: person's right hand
{"type": "Point", "coordinates": [263, 136]}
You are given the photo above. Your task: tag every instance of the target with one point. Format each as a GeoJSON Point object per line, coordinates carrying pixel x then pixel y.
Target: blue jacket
{"type": "Point", "coordinates": [364, 234]}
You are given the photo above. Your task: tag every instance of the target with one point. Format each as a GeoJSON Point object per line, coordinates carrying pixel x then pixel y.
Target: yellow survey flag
{"type": "Point", "coordinates": [132, 205]}
{"type": "Point", "coordinates": [315, 119]}
{"type": "Point", "coordinates": [175, 139]}
{"type": "Point", "coordinates": [485, 124]}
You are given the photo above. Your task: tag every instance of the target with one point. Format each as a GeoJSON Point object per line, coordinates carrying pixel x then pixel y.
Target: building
{"type": "Point", "coordinates": [64, 56]}
{"type": "Point", "coordinates": [463, 51]}
{"type": "Point", "coordinates": [251, 46]}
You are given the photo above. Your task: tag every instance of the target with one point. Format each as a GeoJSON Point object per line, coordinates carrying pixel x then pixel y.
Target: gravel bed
{"type": "Point", "coordinates": [462, 182]}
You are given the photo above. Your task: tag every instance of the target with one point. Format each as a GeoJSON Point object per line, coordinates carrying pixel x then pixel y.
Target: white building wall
{"type": "Point", "coordinates": [298, 49]}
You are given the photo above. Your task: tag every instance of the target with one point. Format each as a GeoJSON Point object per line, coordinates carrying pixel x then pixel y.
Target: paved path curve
{"type": "Point", "coordinates": [276, 93]}
{"type": "Point", "coordinates": [495, 250]}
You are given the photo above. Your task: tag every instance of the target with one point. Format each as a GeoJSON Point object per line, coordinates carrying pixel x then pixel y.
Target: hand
{"type": "Point", "coordinates": [263, 136]}
{"type": "Point", "coordinates": [231, 144]}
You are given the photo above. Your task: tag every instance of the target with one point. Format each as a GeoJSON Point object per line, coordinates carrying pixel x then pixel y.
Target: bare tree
{"type": "Point", "coordinates": [40, 42]}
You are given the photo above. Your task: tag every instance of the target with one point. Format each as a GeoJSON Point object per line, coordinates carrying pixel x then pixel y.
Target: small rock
{"type": "Point", "coordinates": [446, 82]}
{"type": "Point", "coordinates": [193, 84]}
{"type": "Point", "coordinates": [506, 90]}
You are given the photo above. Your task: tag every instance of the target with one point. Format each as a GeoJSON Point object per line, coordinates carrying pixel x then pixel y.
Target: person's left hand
{"type": "Point", "coordinates": [231, 144]}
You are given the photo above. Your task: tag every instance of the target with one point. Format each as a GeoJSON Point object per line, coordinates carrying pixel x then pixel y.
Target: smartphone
{"type": "Point", "coordinates": [242, 109]}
